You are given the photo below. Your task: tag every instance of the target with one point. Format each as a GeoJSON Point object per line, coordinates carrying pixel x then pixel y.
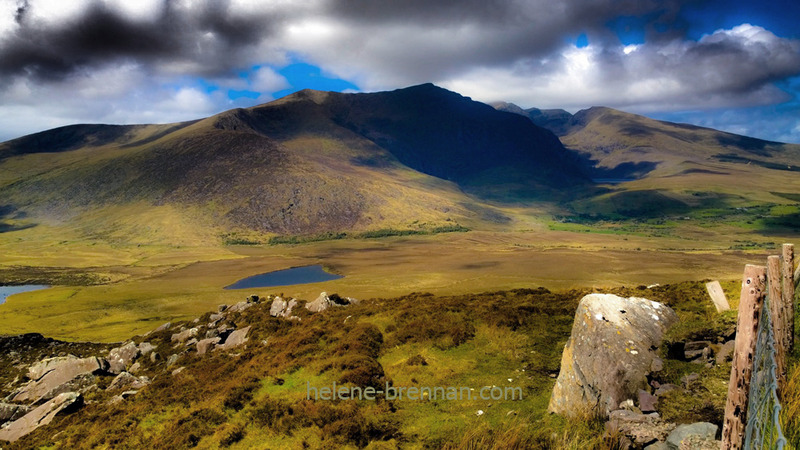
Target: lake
{"type": "Point", "coordinates": [286, 277]}
{"type": "Point", "coordinates": [5, 291]}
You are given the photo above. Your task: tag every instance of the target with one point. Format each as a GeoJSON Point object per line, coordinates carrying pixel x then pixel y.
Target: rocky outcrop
{"type": "Point", "coordinates": [609, 354]}
{"type": "Point", "coordinates": [42, 415]}
{"type": "Point", "coordinates": [54, 373]}
{"type": "Point", "coordinates": [637, 430]}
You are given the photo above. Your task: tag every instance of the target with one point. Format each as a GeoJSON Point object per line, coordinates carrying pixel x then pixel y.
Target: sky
{"type": "Point", "coordinates": [727, 64]}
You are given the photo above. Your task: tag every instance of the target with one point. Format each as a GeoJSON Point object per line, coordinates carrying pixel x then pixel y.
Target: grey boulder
{"type": "Point", "coordinates": [609, 353]}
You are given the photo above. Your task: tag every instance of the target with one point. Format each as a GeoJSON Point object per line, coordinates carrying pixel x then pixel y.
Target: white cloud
{"type": "Point", "coordinates": [265, 79]}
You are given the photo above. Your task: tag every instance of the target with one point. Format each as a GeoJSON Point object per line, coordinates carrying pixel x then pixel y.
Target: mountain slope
{"type": "Point", "coordinates": [311, 162]}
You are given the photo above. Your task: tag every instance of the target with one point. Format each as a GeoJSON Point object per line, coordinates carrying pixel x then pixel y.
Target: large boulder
{"type": "Point", "coordinates": [42, 415]}
{"type": "Point", "coordinates": [609, 354]}
{"type": "Point", "coordinates": [47, 376]}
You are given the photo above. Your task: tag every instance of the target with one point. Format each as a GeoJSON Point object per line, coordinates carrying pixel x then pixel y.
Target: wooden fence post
{"type": "Point", "coordinates": [778, 314]}
{"type": "Point", "coordinates": [788, 294]}
{"type": "Point", "coordinates": [750, 303]}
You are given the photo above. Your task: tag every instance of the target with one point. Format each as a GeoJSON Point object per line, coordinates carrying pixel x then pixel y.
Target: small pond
{"type": "Point", "coordinates": [286, 277]}
{"type": "Point", "coordinates": [5, 291]}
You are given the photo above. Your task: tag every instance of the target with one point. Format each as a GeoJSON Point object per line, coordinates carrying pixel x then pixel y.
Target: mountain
{"type": "Point", "coordinates": [669, 169]}
{"type": "Point", "coordinates": [311, 162]}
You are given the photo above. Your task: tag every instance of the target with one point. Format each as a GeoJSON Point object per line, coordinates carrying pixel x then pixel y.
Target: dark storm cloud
{"type": "Point", "coordinates": [211, 36]}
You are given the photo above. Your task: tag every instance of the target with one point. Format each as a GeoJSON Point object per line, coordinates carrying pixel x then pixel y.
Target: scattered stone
{"type": "Point", "coordinates": [55, 374]}
{"type": "Point", "coordinates": [191, 342]}
{"type": "Point", "coordinates": [145, 348]}
{"type": "Point", "coordinates": [701, 430]}
{"type": "Point", "coordinates": [609, 353]}
{"type": "Point", "coordinates": [10, 412]}
{"type": "Point", "coordinates": [640, 429]}
{"type": "Point", "coordinates": [647, 402]}
{"type": "Point", "coordinates": [324, 302]}
{"type": "Point", "coordinates": [235, 339]}
{"type": "Point", "coordinates": [278, 307]}
{"type": "Point", "coordinates": [687, 380]}
{"type": "Point", "coordinates": [239, 307]}
{"type": "Point", "coordinates": [206, 345]}
{"type": "Point", "coordinates": [696, 349]}
{"type": "Point", "coordinates": [172, 360]}
{"type": "Point", "coordinates": [127, 381]}
{"type": "Point", "coordinates": [664, 388]}
{"type": "Point", "coordinates": [658, 446]}
{"type": "Point", "coordinates": [212, 333]}
{"type": "Point", "coordinates": [121, 357]}
{"type": "Point", "coordinates": [161, 328]}
{"type": "Point", "coordinates": [42, 415]}
{"type": "Point", "coordinates": [135, 368]}
{"type": "Point", "coordinates": [184, 335]}
{"type": "Point", "coordinates": [154, 357]}
{"type": "Point", "coordinates": [253, 299]}
{"type": "Point", "coordinates": [725, 353]}
{"type": "Point", "coordinates": [717, 296]}
{"type": "Point", "coordinates": [657, 365]}
{"type": "Point", "coordinates": [178, 370]}
{"type": "Point", "coordinates": [222, 308]}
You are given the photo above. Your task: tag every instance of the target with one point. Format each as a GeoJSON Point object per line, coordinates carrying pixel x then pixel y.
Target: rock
{"type": "Point", "coordinates": [696, 349]}
{"type": "Point", "coordinates": [657, 446]}
{"type": "Point", "coordinates": [664, 388]}
{"type": "Point", "coordinates": [55, 374]}
{"type": "Point", "coordinates": [127, 381]}
{"type": "Point", "coordinates": [222, 308]}
{"type": "Point", "coordinates": [191, 342]}
{"type": "Point", "coordinates": [282, 308]}
{"type": "Point", "coordinates": [239, 307]}
{"type": "Point", "coordinates": [609, 353]}
{"type": "Point", "coordinates": [10, 412]}
{"type": "Point", "coordinates": [178, 370]}
{"type": "Point", "coordinates": [640, 429]}
{"type": "Point", "coordinates": [235, 339]}
{"type": "Point", "coordinates": [725, 353]}
{"type": "Point", "coordinates": [701, 430]}
{"type": "Point", "coordinates": [135, 368]}
{"type": "Point", "coordinates": [42, 415]}
{"type": "Point", "coordinates": [212, 333]}
{"type": "Point", "coordinates": [688, 379]}
{"type": "Point", "coordinates": [161, 328]}
{"type": "Point", "coordinates": [647, 401]}
{"type": "Point", "coordinates": [154, 357]}
{"type": "Point", "coordinates": [278, 307]}
{"type": "Point", "coordinates": [322, 303]}
{"type": "Point", "coordinates": [121, 357]}
{"type": "Point", "coordinates": [253, 299]}
{"type": "Point", "coordinates": [172, 360]}
{"type": "Point", "coordinates": [205, 345]}
{"type": "Point", "coordinates": [145, 348]}
{"type": "Point", "coordinates": [657, 365]}
{"type": "Point", "coordinates": [184, 335]}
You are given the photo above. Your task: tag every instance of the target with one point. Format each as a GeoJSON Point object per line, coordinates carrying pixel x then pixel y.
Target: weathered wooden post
{"type": "Point", "coordinates": [788, 294]}
{"type": "Point", "coordinates": [750, 303]}
{"type": "Point", "coordinates": [777, 313]}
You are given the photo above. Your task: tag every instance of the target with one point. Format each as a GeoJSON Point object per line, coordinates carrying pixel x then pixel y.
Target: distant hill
{"type": "Point", "coordinates": [311, 162]}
